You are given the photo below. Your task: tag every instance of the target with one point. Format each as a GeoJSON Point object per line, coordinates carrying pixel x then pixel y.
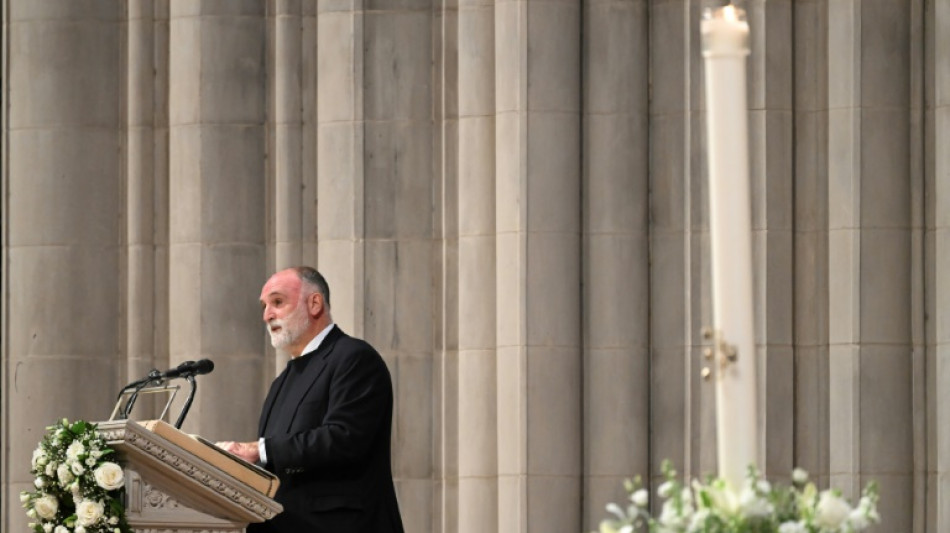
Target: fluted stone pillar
{"type": "Point", "coordinates": [537, 225]}
{"type": "Point", "coordinates": [937, 179]}
{"type": "Point", "coordinates": [682, 418]}
{"type": "Point", "coordinates": [288, 129]}
{"type": "Point", "coordinates": [477, 405]}
{"type": "Point", "coordinates": [217, 196]}
{"type": "Point", "coordinates": [62, 218]}
{"type": "Point", "coordinates": [400, 226]}
{"type": "Point", "coordinates": [811, 238]}
{"type": "Point", "coordinates": [771, 173]}
{"type": "Point", "coordinates": [340, 233]}
{"type": "Point", "coordinates": [616, 251]}
{"type": "Point", "coordinates": [869, 254]}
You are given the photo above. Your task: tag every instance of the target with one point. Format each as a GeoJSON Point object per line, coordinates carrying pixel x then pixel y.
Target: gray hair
{"type": "Point", "coordinates": [315, 280]}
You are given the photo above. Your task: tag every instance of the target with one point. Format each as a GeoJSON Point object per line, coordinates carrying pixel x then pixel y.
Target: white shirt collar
{"type": "Point", "coordinates": [315, 342]}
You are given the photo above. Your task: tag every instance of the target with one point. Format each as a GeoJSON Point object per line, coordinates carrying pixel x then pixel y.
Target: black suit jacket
{"type": "Point", "coordinates": [328, 441]}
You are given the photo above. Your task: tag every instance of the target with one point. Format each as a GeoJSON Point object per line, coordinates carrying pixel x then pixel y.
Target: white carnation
{"type": "Point", "coordinates": [75, 450]}
{"type": "Point", "coordinates": [46, 507]}
{"type": "Point", "coordinates": [64, 475]}
{"type": "Point", "coordinates": [109, 476]}
{"type": "Point", "coordinates": [89, 512]}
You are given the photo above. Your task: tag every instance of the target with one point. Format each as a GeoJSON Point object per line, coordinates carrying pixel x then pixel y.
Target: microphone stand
{"type": "Point", "coordinates": [191, 398]}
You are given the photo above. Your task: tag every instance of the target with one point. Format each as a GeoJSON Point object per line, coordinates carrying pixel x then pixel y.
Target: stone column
{"type": "Point", "coordinates": [400, 218]}
{"type": "Point", "coordinates": [62, 201]}
{"type": "Point", "coordinates": [217, 192]}
{"type": "Point", "coordinates": [616, 251]}
{"type": "Point", "coordinates": [869, 240]}
{"type": "Point", "coordinates": [682, 423]}
{"type": "Point", "coordinates": [537, 225]}
{"type": "Point", "coordinates": [771, 152]}
{"type": "Point", "coordinates": [477, 408]}
{"type": "Point", "coordinates": [287, 147]}
{"type": "Point", "coordinates": [811, 238]}
{"type": "Point", "coordinates": [140, 192]}
{"type": "Point", "coordinates": [937, 128]}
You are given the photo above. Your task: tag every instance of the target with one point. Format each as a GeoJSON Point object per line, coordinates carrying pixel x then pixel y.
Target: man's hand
{"type": "Point", "coordinates": [245, 450]}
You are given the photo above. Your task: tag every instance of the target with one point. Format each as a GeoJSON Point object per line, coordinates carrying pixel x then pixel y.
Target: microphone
{"type": "Point", "coordinates": [186, 369]}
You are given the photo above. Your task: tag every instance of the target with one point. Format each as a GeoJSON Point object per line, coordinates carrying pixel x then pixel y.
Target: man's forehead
{"type": "Point", "coordinates": [286, 282]}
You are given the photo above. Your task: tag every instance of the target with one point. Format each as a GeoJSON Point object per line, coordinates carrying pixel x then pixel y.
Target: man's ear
{"type": "Point", "coordinates": [315, 304]}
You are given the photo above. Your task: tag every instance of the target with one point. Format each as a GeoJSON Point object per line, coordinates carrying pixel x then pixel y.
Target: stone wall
{"type": "Point", "coordinates": [508, 198]}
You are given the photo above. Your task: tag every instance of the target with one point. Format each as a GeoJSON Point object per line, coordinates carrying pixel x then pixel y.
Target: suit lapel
{"type": "Point", "coordinates": [303, 385]}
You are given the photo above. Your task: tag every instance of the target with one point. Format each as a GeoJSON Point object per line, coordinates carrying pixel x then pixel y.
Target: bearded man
{"type": "Point", "coordinates": [326, 424]}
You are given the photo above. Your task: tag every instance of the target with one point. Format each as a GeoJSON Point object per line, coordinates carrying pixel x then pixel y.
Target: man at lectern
{"type": "Point", "coordinates": [326, 424]}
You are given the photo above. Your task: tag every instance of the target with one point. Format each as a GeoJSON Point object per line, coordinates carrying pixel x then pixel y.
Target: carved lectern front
{"type": "Point", "coordinates": [173, 485]}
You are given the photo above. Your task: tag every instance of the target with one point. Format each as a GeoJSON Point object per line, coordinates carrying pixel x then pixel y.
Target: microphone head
{"type": "Point", "coordinates": [204, 366]}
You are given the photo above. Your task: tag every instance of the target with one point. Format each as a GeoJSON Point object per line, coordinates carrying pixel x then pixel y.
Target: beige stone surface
{"type": "Point", "coordinates": [509, 200]}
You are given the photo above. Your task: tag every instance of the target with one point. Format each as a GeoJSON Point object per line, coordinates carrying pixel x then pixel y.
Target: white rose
{"type": "Point", "coordinates": [831, 511]}
{"type": "Point", "coordinates": [64, 475]}
{"type": "Point", "coordinates": [80, 529]}
{"type": "Point", "coordinates": [75, 450]}
{"type": "Point", "coordinates": [78, 469]}
{"type": "Point", "coordinates": [89, 512]}
{"type": "Point", "coordinates": [46, 506]}
{"type": "Point", "coordinates": [640, 498]}
{"type": "Point", "coordinates": [109, 476]}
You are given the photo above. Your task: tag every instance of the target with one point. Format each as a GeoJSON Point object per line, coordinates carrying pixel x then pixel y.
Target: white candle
{"type": "Point", "coordinates": [725, 37]}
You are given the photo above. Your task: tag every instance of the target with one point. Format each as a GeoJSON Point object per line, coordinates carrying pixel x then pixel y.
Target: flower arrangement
{"type": "Point", "coordinates": [759, 507]}
{"type": "Point", "coordinates": [78, 488]}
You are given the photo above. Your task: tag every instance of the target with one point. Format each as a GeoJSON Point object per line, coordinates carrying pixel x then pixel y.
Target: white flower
{"type": "Point", "coordinates": [640, 498]}
{"type": "Point", "coordinates": [114, 520]}
{"type": "Point", "coordinates": [60, 529]}
{"type": "Point", "coordinates": [39, 483]}
{"type": "Point", "coordinates": [665, 490]}
{"type": "Point", "coordinates": [31, 513]}
{"type": "Point", "coordinates": [832, 510]}
{"type": "Point", "coordinates": [46, 507]}
{"type": "Point", "coordinates": [96, 453]}
{"type": "Point", "coordinates": [24, 497]}
{"type": "Point", "coordinates": [90, 461]}
{"type": "Point", "coordinates": [751, 504]}
{"type": "Point", "coordinates": [80, 529]}
{"type": "Point", "coordinates": [64, 475]}
{"type": "Point", "coordinates": [799, 476]}
{"type": "Point", "coordinates": [858, 520]}
{"type": "Point", "coordinates": [89, 512]}
{"type": "Point", "coordinates": [792, 527]}
{"type": "Point", "coordinates": [698, 522]}
{"type": "Point", "coordinates": [50, 469]}
{"type": "Point", "coordinates": [763, 486]}
{"type": "Point", "coordinates": [78, 469]}
{"type": "Point", "coordinates": [109, 476]}
{"type": "Point", "coordinates": [75, 450]}
{"type": "Point", "coordinates": [39, 457]}
{"type": "Point", "coordinates": [48, 528]}
{"type": "Point", "coordinates": [674, 518]}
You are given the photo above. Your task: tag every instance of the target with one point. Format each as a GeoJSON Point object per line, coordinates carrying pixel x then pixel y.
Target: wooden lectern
{"type": "Point", "coordinates": [172, 485]}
